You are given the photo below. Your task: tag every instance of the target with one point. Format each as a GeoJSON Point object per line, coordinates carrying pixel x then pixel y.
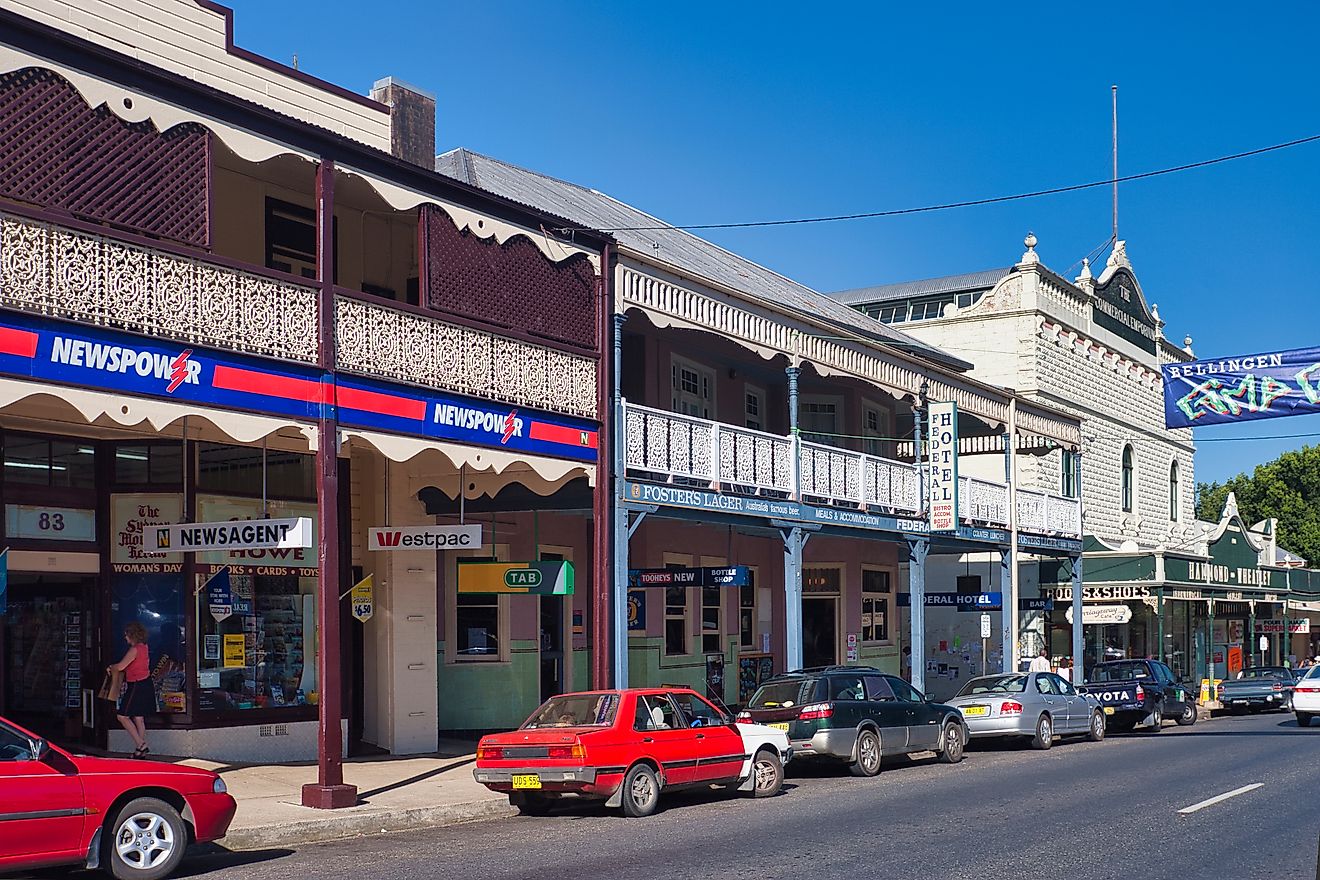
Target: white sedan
{"type": "Point", "coordinates": [1306, 697]}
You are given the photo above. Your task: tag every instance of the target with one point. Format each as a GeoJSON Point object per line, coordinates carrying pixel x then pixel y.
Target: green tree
{"type": "Point", "coordinates": [1286, 489]}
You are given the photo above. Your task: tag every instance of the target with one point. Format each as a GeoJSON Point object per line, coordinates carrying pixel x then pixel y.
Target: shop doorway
{"type": "Point", "coordinates": [552, 646]}
{"type": "Point", "coordinates": [820, 631]}
{"type": "Point", "coordinates": [49, 657]}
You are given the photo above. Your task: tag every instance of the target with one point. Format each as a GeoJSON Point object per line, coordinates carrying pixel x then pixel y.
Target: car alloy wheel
{"type": "Point", "coordinates": [641, 791]}
{"type": "Point", "coordinates": [1044, 737]}
{"type": "Point", "coordinates": [952, 752]}
{"type": "Point", "coordinates": [1157, 720]}
{"type": "Point", "coordinates": [148, 840]}
{"type": "Point", "coordinates": [1097, 732]}
{"type": "Point", "coordinates": [868, 754]}
{"type": "Point", "coordinates": [1188, 716]}
{"type": "Point", "coordinates": [767, 773]}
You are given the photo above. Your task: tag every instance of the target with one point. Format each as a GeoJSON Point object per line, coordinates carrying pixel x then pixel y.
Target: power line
{"type": "Point", "coordinates": [969, 203]}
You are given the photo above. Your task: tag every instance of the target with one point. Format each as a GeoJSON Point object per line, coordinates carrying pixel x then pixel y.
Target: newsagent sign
{"type": "Point", "coordinates": [1228, 390]}
{"type": "Point", "coordinates": [247, 534]}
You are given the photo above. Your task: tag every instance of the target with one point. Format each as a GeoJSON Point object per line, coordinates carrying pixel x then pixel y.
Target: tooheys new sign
{"type": "Point", "coordinates": [1219, 391]}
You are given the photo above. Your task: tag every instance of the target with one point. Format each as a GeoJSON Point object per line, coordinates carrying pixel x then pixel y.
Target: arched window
{"type": "Point", "coordinates": [1127, 479]}
{"type": "Point", "coordinates": [1175, 495]}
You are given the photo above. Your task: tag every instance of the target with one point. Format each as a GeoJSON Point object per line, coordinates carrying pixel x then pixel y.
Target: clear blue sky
{"type": "Point", "coordinates": [708, 112]}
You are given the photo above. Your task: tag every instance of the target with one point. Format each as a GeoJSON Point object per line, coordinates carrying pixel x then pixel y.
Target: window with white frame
{"type": "Point", "coordinates": [754, 407]}
{"type": "Point", "coordinates": [676, 610]}
{"type": "Point", "coordinates": [712, 620]}
{"type": "Point", "coordinates": [875, 429]}
{"type": "Point", "coordinates": [818, 418]}
{"type": "Point", "coordinates": [749, 625]}
{"type": "Point", "coordinates": [876, 592]}
{"type": "Point", "coordinates": [693, 388]}
{"type": "Point", "coordinates": [1175, 491]}
{"type": "Point", "coordinates": [1128, 479]}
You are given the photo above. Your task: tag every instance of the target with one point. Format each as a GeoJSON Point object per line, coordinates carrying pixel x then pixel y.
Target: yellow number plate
{"type": "Point", "coordinates": [779, 725]}
{"type": "Point", "coordinates": [1109, 710]}
{"type": "Point", "coordinates": [526, 780]}
{"type": "Point", "coordinates": [973, 711]}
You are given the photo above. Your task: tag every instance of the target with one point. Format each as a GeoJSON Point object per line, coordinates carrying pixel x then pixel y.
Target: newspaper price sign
{"type": "Point", "coordinates": [942, 470]}
{"type": "Point", "coordinates": [362, 599]}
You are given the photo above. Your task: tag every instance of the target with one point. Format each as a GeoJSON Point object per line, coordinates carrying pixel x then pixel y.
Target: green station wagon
{"type": "Point", "coordinates": [856, 715]}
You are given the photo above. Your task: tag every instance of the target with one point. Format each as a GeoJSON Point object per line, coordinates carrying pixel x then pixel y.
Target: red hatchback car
{"type": "Point", "coordinates": [133, 817]}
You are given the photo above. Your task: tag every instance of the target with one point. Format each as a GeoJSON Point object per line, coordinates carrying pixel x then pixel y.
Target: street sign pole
{"type": "Point", "coordinates": [985, 634]}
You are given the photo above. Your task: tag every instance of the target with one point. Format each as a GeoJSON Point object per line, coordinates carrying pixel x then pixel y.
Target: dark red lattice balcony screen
{"type": "Point", "coordinates": [511, 285]}
{"type": "Point", "coordinates": [57, 152]}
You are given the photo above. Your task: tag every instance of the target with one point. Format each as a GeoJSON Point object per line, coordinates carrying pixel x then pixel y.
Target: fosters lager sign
{"type": "Point", "coordinates": [943, 469]}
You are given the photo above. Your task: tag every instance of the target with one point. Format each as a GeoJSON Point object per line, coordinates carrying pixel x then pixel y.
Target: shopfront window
{"type": "Point", "coordinates": [876, 590]}
{"type": "Point", "coordinates": [40, 461]}
{"type": "Point", "coordinates": [262, 654]}
{"type": "Point", "coordinates": [477, 617]}
{"type": "Point", "coordinates": [148, 464]}
{"type": "Point", "coordinates": [676, 620]}
{"type": "Point", "coordinates": [747, 614]}
{"type": "Point", "coordinates": [246, 470]}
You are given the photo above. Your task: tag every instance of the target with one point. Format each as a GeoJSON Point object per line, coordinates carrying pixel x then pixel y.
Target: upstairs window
{"type": "Point", "coordinates": [1127, 481]}
{"type": "Point", "coordinates": [1175, 492]}
{"type": "Point", "coordinates": [1068, 482]}
{"type": "Point", "coordinates": [693, 389]}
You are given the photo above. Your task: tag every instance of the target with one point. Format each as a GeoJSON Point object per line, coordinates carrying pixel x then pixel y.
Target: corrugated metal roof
{"type": "Point", "coordinates": [675, 247]}
{"type": "Point", "coordinates": [983, 280]}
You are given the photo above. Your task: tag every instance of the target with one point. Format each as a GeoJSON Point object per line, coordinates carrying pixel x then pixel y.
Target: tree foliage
{"type": "Point", "coordinates": [1287, 489]}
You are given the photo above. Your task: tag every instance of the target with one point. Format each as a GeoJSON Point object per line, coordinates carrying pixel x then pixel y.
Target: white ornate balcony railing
{"type": "Point", "coordinates": [983, 502]}
{"type": "Point", "coordinates": [685, 447]}
{"type": "Point", "coordinates": [53, 270]}
{"type": "Point", "coordinates": [379, 341]}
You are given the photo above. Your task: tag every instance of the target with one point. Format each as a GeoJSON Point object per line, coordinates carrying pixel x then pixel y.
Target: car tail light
{"type": "Point", "coordinates": [1141, 693]}
{"type": "Point", "coordinates": [574, 752]}
{"type": "Point", "coordinates": [489, 753]}
{"type": "Point", "coordinates": [744, 718]}
{"type": "Point", "coordinates": [816, 711]}
{"type": "Point", "coordinates": [1308, 690]}
{"type": "Point", "coordinates": [1277, 686]}
{"type": "Point", "coordinates": [1010, 708]}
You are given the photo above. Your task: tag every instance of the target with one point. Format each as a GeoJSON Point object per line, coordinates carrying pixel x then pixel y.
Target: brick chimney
{"type": "Point", "coordinates": [412, 120]}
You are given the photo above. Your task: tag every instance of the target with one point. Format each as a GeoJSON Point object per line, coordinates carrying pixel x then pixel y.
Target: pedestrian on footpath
{"type": "Point", "coordinates": [1040, 663]}
{"type": "Point", "coordinates": [139, 698]}
{"type": "Point", "coordinates": [1065, 669]}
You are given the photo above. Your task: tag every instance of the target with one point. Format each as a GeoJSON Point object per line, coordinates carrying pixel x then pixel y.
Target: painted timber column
{"type": "Point", "coordinates": [608, 479]}
{"type": "Point", "coordinates": [793, 540]}
{"type": "Point", "coordinates": [619, 527]}
{"type": "Point", "coordinates": [329, 791]}
{"type": "Point", "coordinates": [917, 550]}
{"type": "Point", "coordinates": [1008, 564]}
{"type": "Point", "coordinates": [1078, 627]}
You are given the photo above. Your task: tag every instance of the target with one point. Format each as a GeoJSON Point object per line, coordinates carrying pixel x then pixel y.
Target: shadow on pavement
{"type": "Point", "coordinates": [212, 859]}
{"type": "Point", "coordinates": [403, 783]}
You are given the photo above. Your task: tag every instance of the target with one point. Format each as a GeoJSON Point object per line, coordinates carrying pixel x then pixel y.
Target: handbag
{"type": "Point", "coordinates": [111, 686]}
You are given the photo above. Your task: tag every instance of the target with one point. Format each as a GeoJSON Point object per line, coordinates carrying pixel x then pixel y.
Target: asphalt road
{"type": "Point", "coordinates": [1080, 810]}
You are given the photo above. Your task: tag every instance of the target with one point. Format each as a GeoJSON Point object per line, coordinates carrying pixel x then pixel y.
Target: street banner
{"type": "Point", "coordinates": [424, 538]}
{"type": "Point", "coordinates": [220, 595]}
{"type": "Point", "coordinates": [536, 578]}
{"type": "Point", "coordinates": [362, 598]}
{"type": "Point", "coordinates": [727, 576]}
{"type": "Point", "coordinates": [243, 534]}
{"type": "Point", "coordinates": [1229, 390]}
{"type": "Point", "coordinates": [942, 482]}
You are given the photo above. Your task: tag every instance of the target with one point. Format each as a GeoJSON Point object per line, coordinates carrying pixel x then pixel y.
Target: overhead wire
{"type": "Point", "coordinates": [965, 203]}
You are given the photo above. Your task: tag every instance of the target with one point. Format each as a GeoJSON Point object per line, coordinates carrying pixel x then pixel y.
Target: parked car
{"type": "Point", "coordinates": [1306, 696]}
{"type": "Point", "coordinates": [1145, 692]}
{"type": "Point", "coordinates": [856, 715]}
{"type": "Point", "coordinates": [1038, 706]}
{"type": "Point", "coordinates": [133, 818]}
{"type": "Point", "coordinates": [1258, 688]}
{"type": "Point", "coordinates": [627, 746]}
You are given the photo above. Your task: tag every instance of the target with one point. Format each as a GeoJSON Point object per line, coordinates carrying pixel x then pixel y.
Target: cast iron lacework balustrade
{"type": "Point", "coordinates": [52, 270]}
{"type": "Point", "coordinates": [679, 448]}
{"type": "Point", "coordinates": [377, 341]}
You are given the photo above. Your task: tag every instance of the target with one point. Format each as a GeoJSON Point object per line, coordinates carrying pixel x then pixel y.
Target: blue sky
{"type": "Point", "coordinates": [705, 112]}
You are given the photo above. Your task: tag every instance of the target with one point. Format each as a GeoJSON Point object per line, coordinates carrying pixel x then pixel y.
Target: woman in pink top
{"type": "Point", "coordinates": [139, 699]}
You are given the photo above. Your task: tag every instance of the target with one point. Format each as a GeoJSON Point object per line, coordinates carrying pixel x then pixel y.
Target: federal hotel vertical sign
{"type": "Point", "coordinates": [942, 472]}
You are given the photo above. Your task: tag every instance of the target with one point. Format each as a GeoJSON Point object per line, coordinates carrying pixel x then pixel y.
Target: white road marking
{"type": "Point", "coordinates": [1187, 811]}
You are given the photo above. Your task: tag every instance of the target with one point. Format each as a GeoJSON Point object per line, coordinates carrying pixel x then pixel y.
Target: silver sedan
{"type": "Point", "coordinates": [1039, 706]}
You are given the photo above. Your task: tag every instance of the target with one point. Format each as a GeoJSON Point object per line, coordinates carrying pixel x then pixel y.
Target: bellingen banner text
{"type": "Point", "coordinates": [1240, 389]}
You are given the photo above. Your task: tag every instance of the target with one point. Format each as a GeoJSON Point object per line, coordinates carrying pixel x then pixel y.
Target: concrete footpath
{"type": "Point", "coordinates": [394, 794]}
